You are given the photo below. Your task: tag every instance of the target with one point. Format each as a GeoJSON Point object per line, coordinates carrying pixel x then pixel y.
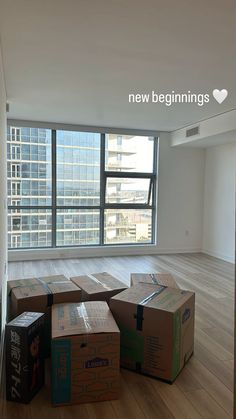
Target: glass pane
{"type": "Point", "coordinates": [29, 228]}
{"type": "Point", "coordinates": [78, 168]}
{"type": "Point", "coordinates": [29, 166]}
{"type": "Point", "coordinates": [127, 191]}
{"type": "Point", "coordinates": [128, 226]}
{"type": "Point", "coordinates": [129, 153]}
{"type": "Point", "coordinates": [77, 227]}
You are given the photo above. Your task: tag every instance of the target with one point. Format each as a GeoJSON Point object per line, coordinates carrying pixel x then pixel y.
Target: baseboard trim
{"type": "Point", "coordinates": [219, 255]}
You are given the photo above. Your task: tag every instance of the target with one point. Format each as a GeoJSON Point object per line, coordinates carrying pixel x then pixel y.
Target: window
{"type": "Point", "coordinates": [15, 191]}
{"type": "Point", "coordinates": [15, 152]}
{"type": "Point", "coordinates": [15, 134]}
{"type": "Point", "coordinates": [16, 222]}
{"type": "Point", "coordinates": [15, 203]}
{"type": "Point", "coordinates": [15, 170]}
{"type": "Point", "coordinates": [80, 188]}
{"type": "Point", "coordinates": [15, 241]}
{"type": "Point", "coordinates": [129, 189]}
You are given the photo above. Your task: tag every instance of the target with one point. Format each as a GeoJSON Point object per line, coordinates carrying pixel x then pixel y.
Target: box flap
{"type": "Point", "coordinates": [154, 296]}
{"type": "Point", "coordinates": [38, 289]}
{"type": "Point", "coordinates": [98, 282]}
{"type": "Point", "coordinates": [52, 279]}
{"type": "Point", "coordinates": [34, 290]}
{"type": "Point", "coordinates": [82, 318]}
{"type": "Point", "coordinates": [158, 278]}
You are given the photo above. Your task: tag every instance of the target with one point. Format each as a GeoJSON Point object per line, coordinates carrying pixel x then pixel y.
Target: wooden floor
{"type": "Point", "coordinates": [204, 387]}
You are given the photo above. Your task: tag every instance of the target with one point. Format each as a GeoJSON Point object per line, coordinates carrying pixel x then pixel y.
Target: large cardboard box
{"type": "Point", "coordinates": [99, 286]}
{"type": "Point", "coordinates": [24, 356]}
{"type": "Point", "coordinates": [38, 294]}
{"type": "Point", "coordinates": [41, 289]}
{"type": "Point", "coordinates": [165, 279]}
{"type": "Point", "coordinates": [85, 353]}
{"type": "Point", "coordinates": [157, 329]}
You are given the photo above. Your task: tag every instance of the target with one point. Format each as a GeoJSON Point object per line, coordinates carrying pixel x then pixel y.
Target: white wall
{"type": "Point", "coordinates": [3, 191]}
{"type": "Point", "coordinates": [181, 190]}
{"type": "Point", "coordinates": [219, 201]}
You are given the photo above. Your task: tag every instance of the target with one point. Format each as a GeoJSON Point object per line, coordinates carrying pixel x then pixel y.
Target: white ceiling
{"type": "Point", "coordinates": [76, 61]}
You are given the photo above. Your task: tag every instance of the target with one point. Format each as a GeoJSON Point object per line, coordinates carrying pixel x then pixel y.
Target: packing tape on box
{"type": "Point", "coordinates": [45, 286]}
{"type": "Point", "coordinates": [31, 285]}
{"type": "Point", "coordinates": [83, 314]}
{"type": "Point", "coordinates": [48, 291]}
{"type": "Point", "coordinates": [153, 278]}
{"type": "Point", "coordinates": [99, 282]}
{"type": "Point", "coordinates": [140, 307]}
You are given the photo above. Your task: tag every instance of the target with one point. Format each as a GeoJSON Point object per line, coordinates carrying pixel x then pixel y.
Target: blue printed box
{"type": "Point", "coordinates": [85, 353]}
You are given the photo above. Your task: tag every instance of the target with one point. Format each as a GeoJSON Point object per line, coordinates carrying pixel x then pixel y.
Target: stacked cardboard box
{"type": "Point", "coordinates": [155, 318]}
{"type": "Point", "coordinates": [38, 294]}
{"type": "Point", "coordinates": [165, 279]}
{"type": "Point", "coordinates": [99, 286]}
{"type": "Point", "coordinates": [85, 353]}
{"type": "Point", "coordinates": [157, 329]}
{"type": "Point", "coordinates": [24, 356]}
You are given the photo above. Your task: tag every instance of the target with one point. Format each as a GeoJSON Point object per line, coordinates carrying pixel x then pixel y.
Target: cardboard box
{"type": "Point", "coordinates": [24, 357]}
{"type": "Point", "coordinates": [38, 294]}
{"type": "Point", "coordinates": [157, 329]}
{"type": "Point", "coordinates": [85, 353]}
{"type": "Point", "coordinates": [99, 286]}
{"type": "Point", "coordinates": [31, 283]}
{"type": "Point", "coordinates": [165, 279]}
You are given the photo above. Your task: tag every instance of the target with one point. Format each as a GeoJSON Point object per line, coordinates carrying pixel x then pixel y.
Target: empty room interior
{"type": "Point", "coordinates": [117, 208]}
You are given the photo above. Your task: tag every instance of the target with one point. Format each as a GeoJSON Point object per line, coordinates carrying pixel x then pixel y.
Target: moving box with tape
{"type": "Point", "coordinates": [38, 294]}
{"type": "Point", "coordinates": [157, 329]}
{"type": "Point", "coordinates": [85, 353]}
{"type": "Point", "coordinates": [99, 286]}
{"type": "Point", "coordinates": [165, 279]}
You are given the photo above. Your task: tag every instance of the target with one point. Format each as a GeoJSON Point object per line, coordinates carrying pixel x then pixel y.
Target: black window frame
{"type": "Point", "coordinates": [104, 175]}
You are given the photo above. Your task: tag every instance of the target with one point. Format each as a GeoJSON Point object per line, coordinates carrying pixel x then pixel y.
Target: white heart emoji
{"type": "Point", "coordinates": [220, 95]}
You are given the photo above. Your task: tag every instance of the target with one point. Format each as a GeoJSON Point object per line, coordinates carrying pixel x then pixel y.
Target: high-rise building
{"type": "Point", "coordinates": [61, 191]}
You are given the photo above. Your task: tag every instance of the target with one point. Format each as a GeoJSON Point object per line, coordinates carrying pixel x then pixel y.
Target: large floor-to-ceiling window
{"type": "Point", "coordinates": [69, 188]}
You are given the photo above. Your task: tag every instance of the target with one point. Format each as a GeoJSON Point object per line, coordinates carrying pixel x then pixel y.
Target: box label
{"type": "Point", "coordinates": [97, 362]}
{"type": "Point", "coordinates": [61, 371]}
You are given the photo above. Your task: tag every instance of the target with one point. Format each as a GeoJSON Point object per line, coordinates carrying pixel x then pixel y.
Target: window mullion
{"type": "Point", "coordinates": [154, 190]}
{"type": "Point", "coordinates": [102, 190]}
{"type": "Point", "coordinates": [150, 191]}
{"type": "Point", "coordinates": [54, 187]}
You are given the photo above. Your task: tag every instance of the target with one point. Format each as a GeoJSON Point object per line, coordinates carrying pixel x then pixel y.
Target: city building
{"type": "Point", "coordinates": [75, 187]}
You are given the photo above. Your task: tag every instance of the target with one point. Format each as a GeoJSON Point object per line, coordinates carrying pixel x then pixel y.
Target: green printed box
{"type": "Point", "coordinates": [157, 329]}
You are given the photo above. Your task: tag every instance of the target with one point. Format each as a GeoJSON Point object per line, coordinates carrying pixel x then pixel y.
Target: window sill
{"type": "Point", "coordinates": [79, 252]}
